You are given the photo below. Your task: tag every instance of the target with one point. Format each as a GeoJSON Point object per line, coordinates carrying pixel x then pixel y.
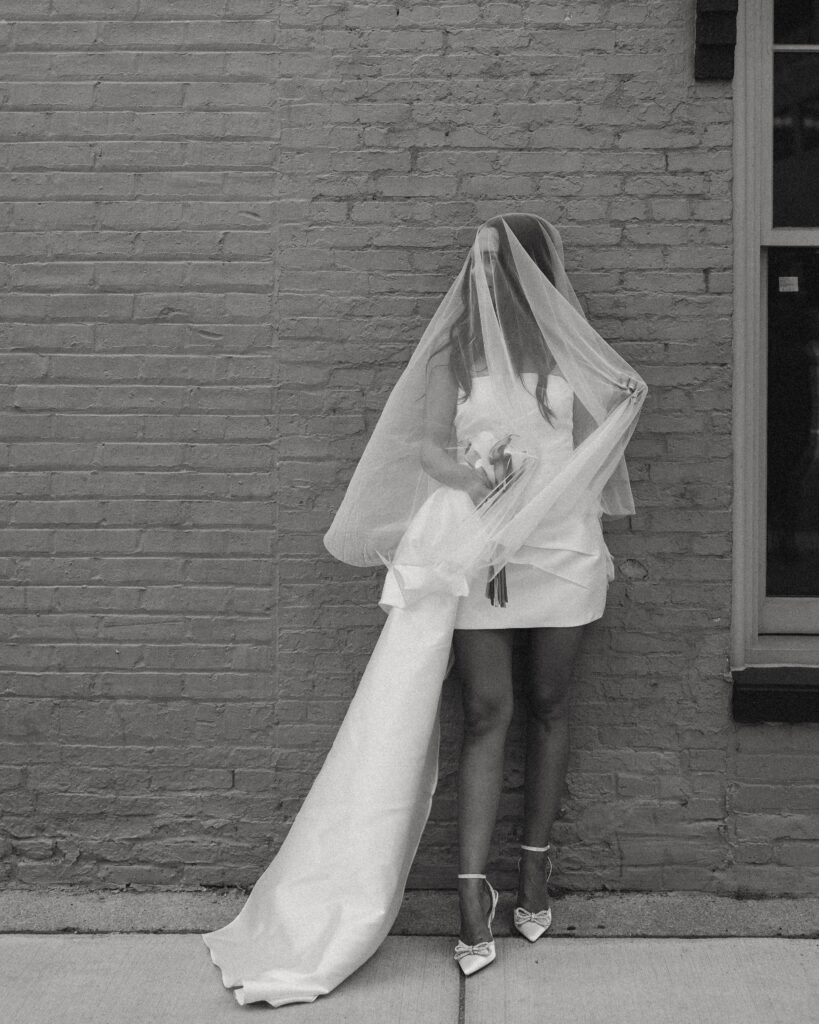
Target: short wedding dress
{"type": "Point", "coordinates": [560, 576]}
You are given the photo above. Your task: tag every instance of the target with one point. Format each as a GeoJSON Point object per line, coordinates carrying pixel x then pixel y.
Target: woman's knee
{"type": "Point", "coordinates": [553, 654]}
{"type": "Point", "coordinates": [488, 714]}
{"type": "Point", "coordinates": [548, 705]}
{"type": "Point", "coordinates": [484, 662]}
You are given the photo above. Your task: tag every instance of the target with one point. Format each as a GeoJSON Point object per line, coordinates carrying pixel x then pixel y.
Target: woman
{"type": "Point", "coordinates": [543, 598]}
{"type": "Point", "coordinates": [486, 512]}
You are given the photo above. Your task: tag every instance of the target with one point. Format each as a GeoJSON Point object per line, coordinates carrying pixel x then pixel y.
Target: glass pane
{"type": "Point", "coordinates": [796, 21]}
{"type": "Point", "coordinates": [793, 423]}
{"type": "Point", "coordinates": [796, 140]}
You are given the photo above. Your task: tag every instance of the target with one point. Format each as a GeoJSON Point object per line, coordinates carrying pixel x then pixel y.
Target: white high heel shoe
{"type": "Point", "coordinates": [532, 924]}
{"type": "Point", "coordinates": [473, 958]}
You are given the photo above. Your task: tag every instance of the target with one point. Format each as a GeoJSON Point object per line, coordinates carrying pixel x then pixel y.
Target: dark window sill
{"type": "Point", "coordinates": [775, 694]}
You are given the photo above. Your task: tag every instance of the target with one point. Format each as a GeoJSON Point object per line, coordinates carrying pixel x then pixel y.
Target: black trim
{"type": "Point", "coordinates": [775, 694]}
{"type": "Point", "coordinates": [716, 36]}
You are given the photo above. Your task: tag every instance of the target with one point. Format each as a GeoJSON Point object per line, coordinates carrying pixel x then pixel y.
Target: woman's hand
{"type": "Point", "coordinates": [476, 483]}
{"type": "Point", "coordinates": [635, 389]}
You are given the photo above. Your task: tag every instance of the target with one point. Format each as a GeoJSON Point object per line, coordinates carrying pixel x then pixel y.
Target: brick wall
{"type": "Point", "coordinates": [213, 203]}
{"type": "Point", "coordinates": [138, 512]}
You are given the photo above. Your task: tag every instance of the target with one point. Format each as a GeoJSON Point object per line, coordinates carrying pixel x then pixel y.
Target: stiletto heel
{"type": "Point", "coordinates": [473, 958]}
{"type": "Point", "coordinates": [533, 924]}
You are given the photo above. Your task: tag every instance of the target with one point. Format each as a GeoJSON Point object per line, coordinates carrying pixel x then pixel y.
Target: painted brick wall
{"type": "Point", "coordinates": [231, 221]}
{"type": "Point", "coordinates": [138, 512]}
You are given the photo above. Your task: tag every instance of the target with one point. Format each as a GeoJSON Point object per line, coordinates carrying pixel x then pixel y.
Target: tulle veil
{"type": "Point", "coordinates": [511, 299]}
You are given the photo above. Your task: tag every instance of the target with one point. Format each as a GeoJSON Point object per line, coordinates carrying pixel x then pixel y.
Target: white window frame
{"type": "Point", "coordinates": [755, 616]}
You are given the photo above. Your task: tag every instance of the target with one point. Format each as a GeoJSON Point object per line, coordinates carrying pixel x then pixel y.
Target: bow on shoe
{"type": "Point", "coordinates": [540, 917]}
{"type": "Point", "coordinates": [479, 949]}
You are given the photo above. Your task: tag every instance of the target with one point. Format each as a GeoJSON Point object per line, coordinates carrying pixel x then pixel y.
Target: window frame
{"type": "Point", "coordinates": [754, 614]}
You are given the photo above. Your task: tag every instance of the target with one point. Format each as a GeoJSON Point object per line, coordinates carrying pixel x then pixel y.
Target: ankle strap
{"type": "Point", "coordinates": [471, 876]}
{"type": "Point", "coordinates": [537, 849]}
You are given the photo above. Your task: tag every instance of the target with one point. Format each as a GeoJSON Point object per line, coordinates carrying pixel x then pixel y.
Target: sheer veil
{"type": "Point", "coordinates": [512, 302]}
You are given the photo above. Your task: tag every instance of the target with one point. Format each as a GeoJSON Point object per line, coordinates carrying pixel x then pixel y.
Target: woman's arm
{"type": "Point", "coordinates": [439, 414]}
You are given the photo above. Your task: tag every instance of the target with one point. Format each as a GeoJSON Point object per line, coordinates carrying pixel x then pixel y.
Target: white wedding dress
{"type": "Point", "coordinates": [334, 888]}
{"type": "Point", "coordinates": [330, 896]}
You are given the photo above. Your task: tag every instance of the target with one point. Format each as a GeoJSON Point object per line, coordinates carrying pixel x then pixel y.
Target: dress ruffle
{"type": "Point", "coordinates": [414, 572]}
{"type": "Point", "coordinates": [568, 547]}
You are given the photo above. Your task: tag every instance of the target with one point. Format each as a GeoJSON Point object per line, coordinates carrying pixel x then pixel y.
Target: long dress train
{"type": "Point", "coordinates": [334, 888]}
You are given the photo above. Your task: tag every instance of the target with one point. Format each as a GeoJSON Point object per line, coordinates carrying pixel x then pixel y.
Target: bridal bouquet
{"type": "Point", "coordinates": [485, 452]}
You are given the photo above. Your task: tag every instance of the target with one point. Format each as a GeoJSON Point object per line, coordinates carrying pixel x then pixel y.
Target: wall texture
{"type": "Point", "coordinates": [229, 222]}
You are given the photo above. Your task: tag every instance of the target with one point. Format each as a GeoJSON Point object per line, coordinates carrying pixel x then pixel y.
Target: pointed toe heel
{"type": "Point", "coordinates": [472, 958]}
{"type": "Point", "coordinates": [533, 924]}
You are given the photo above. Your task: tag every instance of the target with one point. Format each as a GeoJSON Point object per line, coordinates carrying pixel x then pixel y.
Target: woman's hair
{"type": "Point", "coordinates": [520, 329]}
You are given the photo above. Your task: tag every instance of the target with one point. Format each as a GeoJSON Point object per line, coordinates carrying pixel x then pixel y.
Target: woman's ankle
{"type": "Point", "coordinates": [473, 892]}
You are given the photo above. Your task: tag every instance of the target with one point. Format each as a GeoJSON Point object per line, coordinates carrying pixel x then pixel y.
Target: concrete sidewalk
{"type": "Point", "coordinates": [142, 979]}
{"type": "Point", "coordinates": [664, 958]}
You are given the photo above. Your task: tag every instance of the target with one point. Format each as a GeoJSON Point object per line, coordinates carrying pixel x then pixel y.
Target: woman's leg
{"type": "Point", "coordinates": [484, 662]}
{"type": "Point", "coordinates": [552, 654]}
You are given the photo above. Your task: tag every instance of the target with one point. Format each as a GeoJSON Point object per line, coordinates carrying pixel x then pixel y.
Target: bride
{"type": "Point", "coordinates": [481, 490]}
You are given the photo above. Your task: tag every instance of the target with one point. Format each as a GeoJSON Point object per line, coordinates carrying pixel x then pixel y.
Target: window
{"type": "Point", "coordinates": [776, 383]}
